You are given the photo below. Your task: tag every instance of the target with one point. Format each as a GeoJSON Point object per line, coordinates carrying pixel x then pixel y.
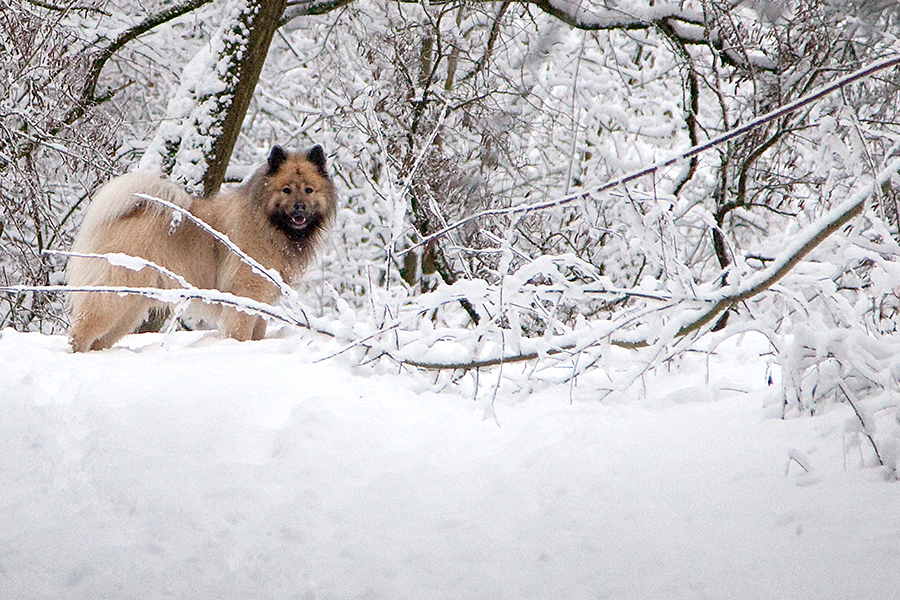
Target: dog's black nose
{"type": "Point", "coordinates": [299, 207]}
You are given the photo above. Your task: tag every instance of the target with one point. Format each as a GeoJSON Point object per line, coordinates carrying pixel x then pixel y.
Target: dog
{"type": "Point", "coordinates": [278, 216]}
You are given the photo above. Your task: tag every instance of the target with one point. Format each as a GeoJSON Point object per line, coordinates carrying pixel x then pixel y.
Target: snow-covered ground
{"type": "Point", "coordinates": [187, 466]}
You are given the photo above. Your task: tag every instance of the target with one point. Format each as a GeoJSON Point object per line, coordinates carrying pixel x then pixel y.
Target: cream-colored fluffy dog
{"type": "Point", "coordinates": [278, 217]}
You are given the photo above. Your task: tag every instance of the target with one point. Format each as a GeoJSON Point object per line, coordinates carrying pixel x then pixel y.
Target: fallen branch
{"type": "Point", "coordinates": [760, 282]}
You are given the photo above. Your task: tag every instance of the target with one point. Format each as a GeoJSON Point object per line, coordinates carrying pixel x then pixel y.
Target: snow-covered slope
{"type": "Point", "coordinates": [192, 467]}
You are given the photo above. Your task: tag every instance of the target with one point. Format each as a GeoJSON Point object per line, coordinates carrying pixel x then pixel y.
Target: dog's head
{"type": "Point", "coordinates": [299, 195]}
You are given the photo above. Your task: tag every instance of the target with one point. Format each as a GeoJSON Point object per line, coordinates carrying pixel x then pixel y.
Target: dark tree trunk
{"type": "Point", "coordinates": [260, 20]}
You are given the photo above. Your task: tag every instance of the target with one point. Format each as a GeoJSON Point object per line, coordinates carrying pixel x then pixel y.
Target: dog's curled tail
{"type": "Point", "coordinates": [116, 200]}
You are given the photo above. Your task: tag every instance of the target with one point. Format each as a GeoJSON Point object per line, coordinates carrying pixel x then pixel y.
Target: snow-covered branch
{"type": "Point", "coordinates": [524, 208]}
{"type": "Point", "coordinates": [270, 274]}
{"type": "Point", "coordinates": [103, 55]}
{"type": "Point", "coordinates": [304, 8]}
{"type": "Point", "coordinates": [135, 263]}
{"type": "Point", "coordinates": [805, 243]}
{"type": "Point", "coordinates": [688, 27]}
{"type": "Point", "coordinates": [176, 296]}
{"type": "Point", "coordinates": [593, 17]}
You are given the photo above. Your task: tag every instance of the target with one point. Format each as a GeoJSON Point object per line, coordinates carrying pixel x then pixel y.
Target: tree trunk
{"type": "Point", "coordinates": [193, 145]}
{"type": "Point", "coordinates": [248, 48]}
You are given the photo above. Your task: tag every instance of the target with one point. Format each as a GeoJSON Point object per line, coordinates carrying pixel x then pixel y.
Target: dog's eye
{"type": "Point", "coordinates": [286, 190]}
{"type": "Point", "coordinates": [308, 190]}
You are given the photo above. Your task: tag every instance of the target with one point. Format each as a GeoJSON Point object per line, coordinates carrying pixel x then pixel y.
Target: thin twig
{"type": "Point", "coordinates": [862, 423]}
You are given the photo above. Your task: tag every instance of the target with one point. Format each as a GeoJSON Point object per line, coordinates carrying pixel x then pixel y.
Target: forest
{"type": "Point", "coordinates": [524, 187]}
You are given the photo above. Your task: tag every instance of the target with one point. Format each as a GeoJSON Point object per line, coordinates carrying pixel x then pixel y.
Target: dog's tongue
{"type": "Point", "coordinates": [298, 220]}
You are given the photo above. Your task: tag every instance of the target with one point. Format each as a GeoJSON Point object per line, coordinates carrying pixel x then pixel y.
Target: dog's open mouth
{"type": "Point", "coordinates": [297, 225]}
{"type": "Point", "coordinates": [299, 220]}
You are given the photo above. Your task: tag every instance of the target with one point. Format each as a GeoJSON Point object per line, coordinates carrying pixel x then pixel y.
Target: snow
{"type": "Point", "coordinates": [188, 466]}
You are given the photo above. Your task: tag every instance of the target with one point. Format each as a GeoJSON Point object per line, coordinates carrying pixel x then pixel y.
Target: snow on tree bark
{"type": "Point", "coordinates": [194, 143]}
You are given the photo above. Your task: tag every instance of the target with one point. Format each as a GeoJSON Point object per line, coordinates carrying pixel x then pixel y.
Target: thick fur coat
{"type": "Point", "coordinates": [278, 217]}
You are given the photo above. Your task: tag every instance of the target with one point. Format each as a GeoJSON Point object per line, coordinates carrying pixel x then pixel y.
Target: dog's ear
{"type": "Point", "coordinates": [276, 158]}
{"type": "Point", "coordinates": [317, 157]}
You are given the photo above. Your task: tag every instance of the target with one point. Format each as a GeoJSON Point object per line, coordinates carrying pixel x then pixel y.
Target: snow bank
{"type": "Point", "coordinates": [188, 466]}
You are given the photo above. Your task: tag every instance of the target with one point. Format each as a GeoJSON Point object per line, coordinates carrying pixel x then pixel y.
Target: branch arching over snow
{"type": "Point", "coordinates": [807, 241]}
